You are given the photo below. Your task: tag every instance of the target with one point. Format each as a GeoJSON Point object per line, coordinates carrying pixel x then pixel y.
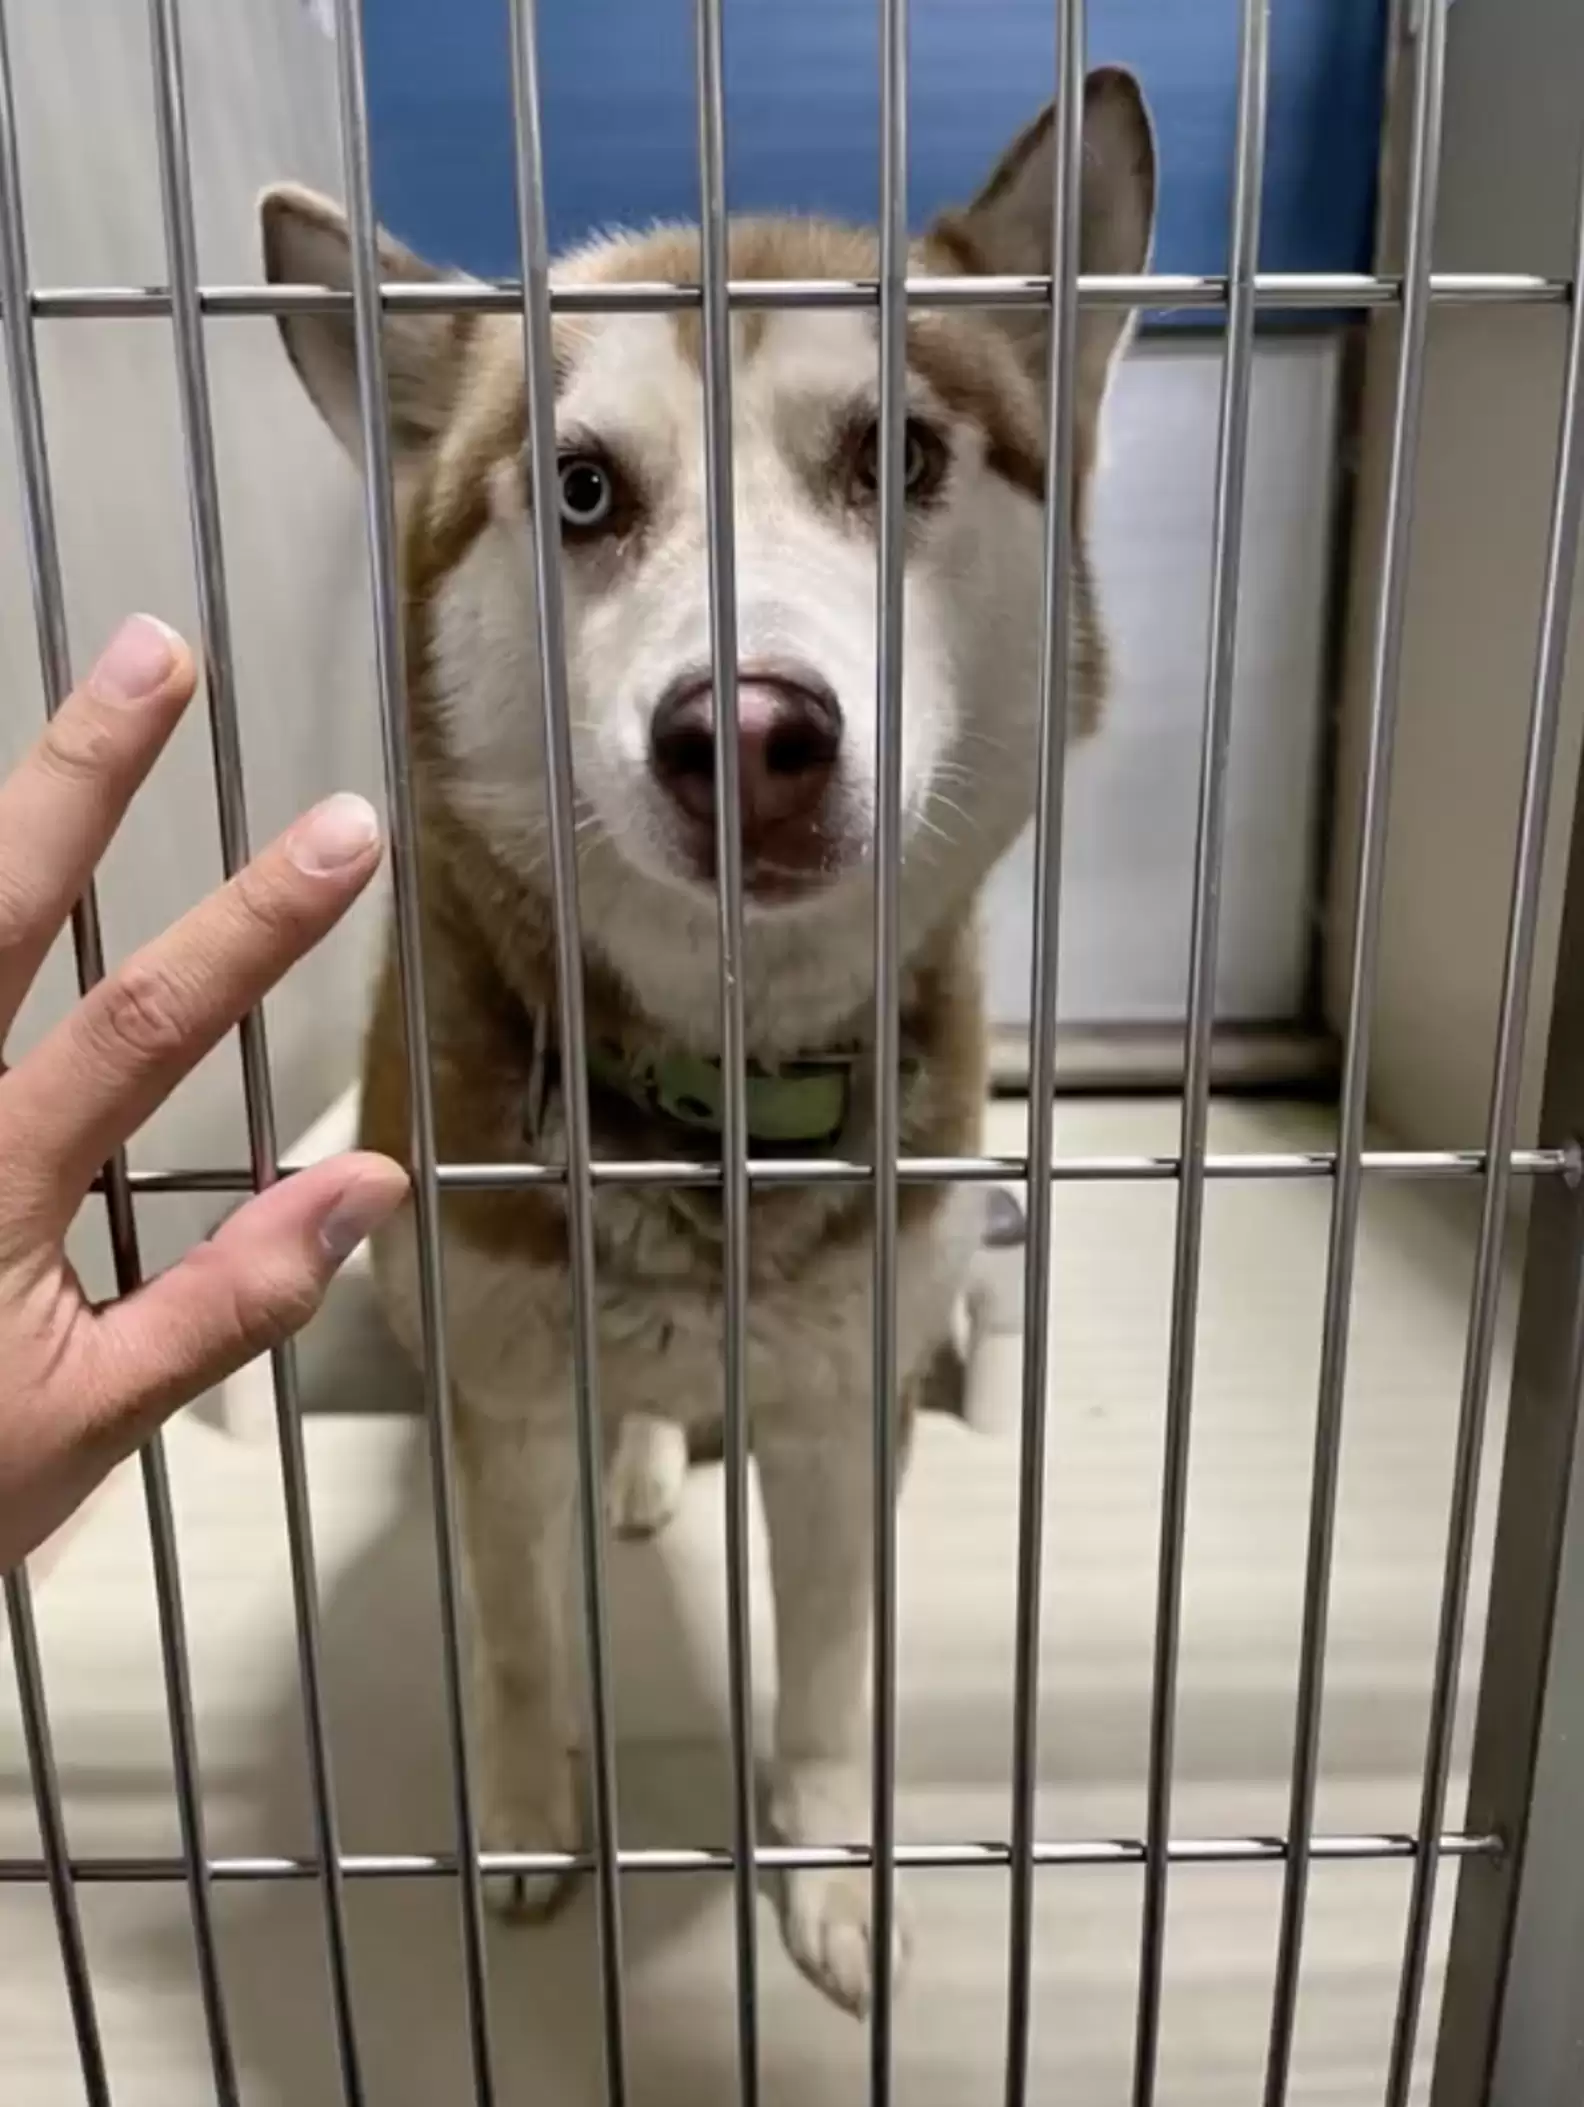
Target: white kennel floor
{"type": "Point", "coordinates": [1263, 1272]}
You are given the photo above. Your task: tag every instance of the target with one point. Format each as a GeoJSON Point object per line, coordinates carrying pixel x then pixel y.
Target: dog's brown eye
{"type": "Point", "coordinates": [588, 494]}
{"type": "Point", "coordinates": [924, 462]}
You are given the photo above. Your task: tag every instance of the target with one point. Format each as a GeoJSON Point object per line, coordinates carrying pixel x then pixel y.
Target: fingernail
{"type": "Point", "coordinates": [340, 831]}
{"type": "Point", "coordinates": [355, 1217]}
{"type": "Point", "coordinates": [137, 661]}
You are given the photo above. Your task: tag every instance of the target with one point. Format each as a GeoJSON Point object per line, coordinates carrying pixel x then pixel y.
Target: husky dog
{"type": "Point", "coordinates": [630, 451]}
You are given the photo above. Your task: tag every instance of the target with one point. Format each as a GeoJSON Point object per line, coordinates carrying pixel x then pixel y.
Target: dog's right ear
{"type": "Point", "coordinates": [306, 243]}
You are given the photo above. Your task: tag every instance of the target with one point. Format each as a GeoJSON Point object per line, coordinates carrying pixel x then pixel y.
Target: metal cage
{"type": "Point", "coordinates": [1510, 2029]}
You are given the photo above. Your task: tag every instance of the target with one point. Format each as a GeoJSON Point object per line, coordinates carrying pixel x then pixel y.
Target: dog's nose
{"type": "Point", "coordinates": [788, 744]}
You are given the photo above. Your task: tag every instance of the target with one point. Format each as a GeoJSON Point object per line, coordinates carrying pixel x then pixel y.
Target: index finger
{"type": "Point", "coordinates": [60, 806]}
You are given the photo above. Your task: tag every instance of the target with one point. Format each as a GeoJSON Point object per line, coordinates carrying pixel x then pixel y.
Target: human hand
{"type": "Point", "coordinates": [81, 1387]}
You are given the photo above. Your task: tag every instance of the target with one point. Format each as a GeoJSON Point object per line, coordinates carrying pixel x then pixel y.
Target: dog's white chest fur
{"type": "Point", "coordinates": [810, 1340]}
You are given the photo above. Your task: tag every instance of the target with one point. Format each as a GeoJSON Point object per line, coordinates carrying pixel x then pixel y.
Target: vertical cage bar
{"type": "Point", "coordinates": [1510, 2034]}
{"type": "Point", "coordinates": [203, 487]}
{"type": "Point", "coordinates": [717, 346]}
{"type": "Point", "coordinates": [390, 671]}
{"type": "Point", "coordinates": [52, 1837]}
{"type": "Point", "coordinates": [891, 624]}
{"type": "Point", "coordinates": [1054, 662]}
{"type": "Point", "coordinates": [49, 603]}
{"type": "Point", "coordinates": [1509, 2005]}
{"type": "Point", "coordinates": [1226, 562]}
{"type": "Point", "coordinates": [545, 515]}
{"type": "Point", "coordinates": [1537, 2054]}
{"type": "Point", "coordinates": [1567, 504]}
{"type": "Point", "coordinates": [1423, 174]}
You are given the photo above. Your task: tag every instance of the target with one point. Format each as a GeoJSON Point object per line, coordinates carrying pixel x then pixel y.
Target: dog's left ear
{"type": "Point", "coordinates": [1006, 231]}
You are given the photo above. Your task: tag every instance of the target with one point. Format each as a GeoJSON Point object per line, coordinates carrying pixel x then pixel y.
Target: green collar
{"type": "Point", "coordinates": [797, 1105]}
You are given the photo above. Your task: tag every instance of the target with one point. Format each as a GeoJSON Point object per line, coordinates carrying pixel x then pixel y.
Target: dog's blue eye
{"type": "Point", "coordinates": [588, 494]}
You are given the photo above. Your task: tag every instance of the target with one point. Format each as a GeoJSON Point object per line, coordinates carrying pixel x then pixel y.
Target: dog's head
{"type": "Point", "coordinates": [634, 548]}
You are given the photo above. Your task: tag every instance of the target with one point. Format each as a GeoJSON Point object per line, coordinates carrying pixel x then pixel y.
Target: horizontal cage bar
{"type": "Point", "coordinates": [1182, 292]}
{"type": "Point", "coordinates": [1362, 1848]}
{"type": "Point", "coordinates": [1275, 1164]}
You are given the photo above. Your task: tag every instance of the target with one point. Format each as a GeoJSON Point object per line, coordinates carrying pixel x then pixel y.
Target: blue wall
{"type": "Point", "coordinates": [802, 114]}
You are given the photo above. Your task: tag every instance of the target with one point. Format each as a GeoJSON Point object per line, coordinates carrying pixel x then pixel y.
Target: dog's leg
{"type": "Point", "coordinates": [519, 1485]}
{"type": "Point", "coordinates": [816, 1490]}
{"type": "Point", "coordinates": [646, 1475]}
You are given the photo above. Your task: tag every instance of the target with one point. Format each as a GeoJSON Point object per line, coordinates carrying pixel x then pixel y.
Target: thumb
{"type": "Point", "coordinates": [257, 1280]}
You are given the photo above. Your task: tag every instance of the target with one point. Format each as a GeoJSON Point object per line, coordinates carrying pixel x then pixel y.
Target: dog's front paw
{"type": "Point", "coordinates": [645, 1480]}
{"type": "Point", "coordinates": [830, 1934]}
{"type": "Point", "coordinates": [828, 1913]}
{"type": "Point", "coordinates": [532, 1804]}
